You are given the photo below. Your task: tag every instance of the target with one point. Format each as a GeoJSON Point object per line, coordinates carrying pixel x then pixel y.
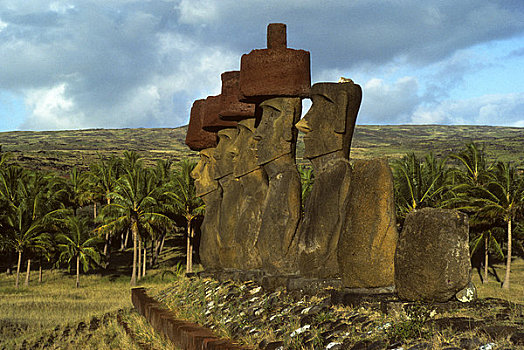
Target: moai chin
{"type": "Point", "coordinates": [207, 188]}
{"type": "Point", "coordinates": [275, 71]}
{"type": "Point", "coordinates": [328, 128]}
{"type": "Point", "coordinates": [276, 142]}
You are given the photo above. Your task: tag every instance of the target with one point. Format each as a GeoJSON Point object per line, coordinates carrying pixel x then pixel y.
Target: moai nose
{"type": "Point", "coordinates": [303, 126]}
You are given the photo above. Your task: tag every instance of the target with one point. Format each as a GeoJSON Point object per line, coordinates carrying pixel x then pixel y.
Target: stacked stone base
{"type": "Point", "coordinates": [184, 334]}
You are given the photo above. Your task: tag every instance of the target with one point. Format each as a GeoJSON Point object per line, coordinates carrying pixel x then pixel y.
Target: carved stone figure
{"type": "Point", "coordinates": [328, 128]}
{"type": "Point", "coordinates": [276, 143]}
{"type": "Point", "coordinates": [432, 260]}
{"type": "Point", "coordinates": [231, 196]}
{"type": "Point", "coordinates": [207, 188]}
{"type": "Point", "coordinates": [254, 184]}
{"type": "Point", "coordinates": [367, 243]}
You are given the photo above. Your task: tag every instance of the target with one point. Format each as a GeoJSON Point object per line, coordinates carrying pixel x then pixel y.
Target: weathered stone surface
{"type": "Point", "coordinates": [208, 189]}
{"type": "Point", "coordinates": [196, 137]}
{"type": "Point", "coordinates": [330, 122]}
{"type": "Point", "coordinates": [211, 120]}
{"type": "Point", "coordinates": [324, 215]}
{"type": "Point", "coordinates": [468, 294]}
{"type": "Point", "coordinates": [275, 71]}
{"type": "Point", "coordinates": [368, 240]}
{"type": "Point", "coordinates": [231, 197]}
{"type": "Point", "coordinates": [432, 259]}
{"type": "Point", "coordinates": [276, 143]}
{"type": "Point", "coordinates": [231, 107]}
{"type": "Point", "coordinates": [223, 155]}
{"type": "Point", "coordinates": [254, 186]}
{"type": "Point", "coordinates": [328, 128]}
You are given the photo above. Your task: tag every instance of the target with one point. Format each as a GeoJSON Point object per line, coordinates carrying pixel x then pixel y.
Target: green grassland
{"type": "Point", "coordinates": [60, 150]}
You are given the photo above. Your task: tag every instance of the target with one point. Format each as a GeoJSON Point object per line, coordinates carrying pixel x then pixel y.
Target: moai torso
{"type": "Point", "coordinates": [231, 195]}
{"type": "Point", "coordinates": [328, 128]}
{"type": "Point", "coordinates": [254, 187]}
{"type": "Point", "coordinates": [276, 143]}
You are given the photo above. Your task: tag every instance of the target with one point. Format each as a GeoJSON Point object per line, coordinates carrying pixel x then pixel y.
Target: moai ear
{"type": "Point", "coordinates": [342, 107]}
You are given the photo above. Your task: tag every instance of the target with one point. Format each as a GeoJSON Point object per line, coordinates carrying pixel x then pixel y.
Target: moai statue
{"type": "Point", "coordinates": [328, 128]}
{"type": "Point", "coordinates": [276, 79]}
{"type": "Point", "coordinates": [366, 248]}
{"type": "Point", "coordinates": [231, 196]}
{"type": "Point", "coordinates": [254, 184]}
{"type": "Point", "coordinates": [276, 142]}
{"type": "Point", "coordinates": [206, 186]}
{"type": "Point", "coordinates": [251, 177]}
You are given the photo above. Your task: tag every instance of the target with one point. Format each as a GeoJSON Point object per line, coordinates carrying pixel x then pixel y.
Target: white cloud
{"type": "Point", "coordinates": [383, 102]}
{"type": "Point", "coordinates": [3, 25]}
{"type": "Point", "coordinates": [499, 109]}
{"type": "Point", "coordinates": [197, 11]}
{"type": "Point", "coordinates": [51, 109]}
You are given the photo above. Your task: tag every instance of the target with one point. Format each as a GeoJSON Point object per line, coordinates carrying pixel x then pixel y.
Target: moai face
{"type": "Point", "coordinates": [243, 149]}
{"type": "Point", "coordinates": [276, 134]}
{"type": "Point", "coordinates": [204, 173]}
{"type": "Point", "coordinates": [330, 121]}
{"type": "Point", "coordinates": [223, 154]}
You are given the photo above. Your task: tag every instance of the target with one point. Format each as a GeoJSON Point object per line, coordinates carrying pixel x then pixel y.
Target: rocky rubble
{"type": "Point", "coordinates": [279, 319]}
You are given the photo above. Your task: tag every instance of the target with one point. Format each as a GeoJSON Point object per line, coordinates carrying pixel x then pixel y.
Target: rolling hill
{"type": "Point", "coordinates": [60, 150]}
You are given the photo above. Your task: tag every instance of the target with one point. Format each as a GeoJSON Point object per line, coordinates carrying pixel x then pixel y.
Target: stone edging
{"type": "Point", "coordinates": [184, 334]}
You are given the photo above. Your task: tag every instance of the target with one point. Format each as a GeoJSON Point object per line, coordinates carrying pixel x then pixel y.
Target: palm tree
{"type": "Point", "coordinates": [24, 220]}
{"type": "Point", "coordinates": [487, 240]}
{"type": "Point", "coordinates": [76, 243]}
{"type": "Point", "coordinates": [476, 167]}
{"type": "Point", "coordinates": [502, 198]}
{"type": "Point", "coordinates": [74, 189]}
{"type": "Point", "coordinates": [133, 206]}
{"type": "Point", "coordinates": [103, 180]}
{"type": "Point", "coordinates": [307, 178]}
{"type": "Point", "coordinates": [419, 183]}
{"type": "Point", "coordinates": [187, 203]}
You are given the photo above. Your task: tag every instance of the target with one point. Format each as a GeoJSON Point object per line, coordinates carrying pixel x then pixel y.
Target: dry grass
{"type": "Point", "coordinates": [493, 289]}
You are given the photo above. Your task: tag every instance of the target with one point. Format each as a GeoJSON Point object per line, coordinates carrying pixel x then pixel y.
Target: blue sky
{"type": "Point", "coordinates": [115, 63]}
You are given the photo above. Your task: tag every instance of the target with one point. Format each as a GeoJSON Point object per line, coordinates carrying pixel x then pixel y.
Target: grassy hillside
{"type": "Point", "coordinates": [60, 150]}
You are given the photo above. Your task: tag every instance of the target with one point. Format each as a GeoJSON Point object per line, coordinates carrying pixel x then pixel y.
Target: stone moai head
{"type": "Point", "coordinates": [276, 134]}
{"type": "Point", "coordinates": [223, 155]}
{"type": "Point", "coordinates": [204, 173]}
{"type": "Point", "coordinates": [330, 122]}
{"type": "Point", "coordinates": [244, 148]}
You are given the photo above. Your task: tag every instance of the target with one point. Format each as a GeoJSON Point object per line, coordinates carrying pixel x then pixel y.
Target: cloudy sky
{"type": "Point", "coordinates": [137, 63]}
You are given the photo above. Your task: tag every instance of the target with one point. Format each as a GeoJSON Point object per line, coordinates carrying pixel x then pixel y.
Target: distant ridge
{"type": "Point", "coordinates": [60, 150]}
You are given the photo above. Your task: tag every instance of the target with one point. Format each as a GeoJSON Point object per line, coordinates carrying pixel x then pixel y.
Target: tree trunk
{"type": "Point", "coordinates": [18, 269]}
{"type": "Point", "coordinates": [77, 271]}
{"type": "Point", "coordinates": [134, 229]}
{"type": "Point", "coordinates": [127, 237]}
{"type": "Point", "coordinates": [505, 285]}
{"type": "Point", "coordinates": [152, 252]}
{"type": "Point", "coordinates": [139, 275]}
{"type": "Point", "coordinates": [162, 244]}
{"type": "Point", "coordinates": [122, 242]}
{"type": "Point", "coordinates": [107, 244]}
{"type": "Point", "coordinates": [40, 271]}
{"type": "Point", "coordinates": [94, 210]}
{"type": "Point", "coordinates": [189, 248]}
{"type": "Point", "coordinates": [28, 272]}
{"type": "Point", "coordinates": [144, 260]}
{"type": "Point", "coordinates": [486, 242]}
